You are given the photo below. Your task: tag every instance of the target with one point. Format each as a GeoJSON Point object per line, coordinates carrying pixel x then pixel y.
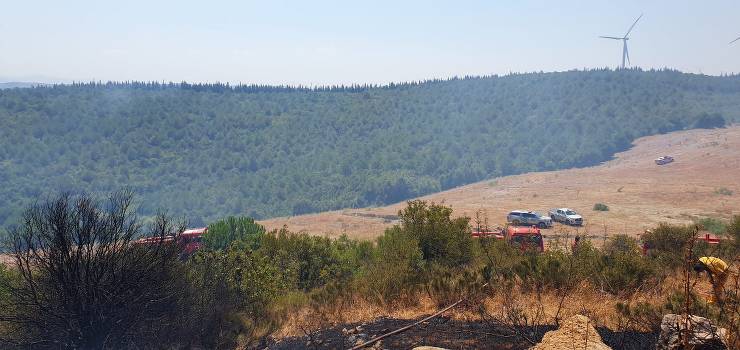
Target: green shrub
{"type": "Point", "coordinates": [724, 191]}
{"type": "Point", "coordinates": [667, 244]}
{"type": "Point", "coordinates": [713, 225]}
{"type": "Point", "coordinates": [601, 207]}
{"type": "Point", "coordinates": [733, 232]}
{"type": "Point", "coordinates": [624, 272]}
{"type": "Point", "coordinates": [587, 260]}
{"type": "Point", "coordinates": [441, 238]}
{"type": "Point", "coordinates": [621, 244]}
{"type": "Point", "coordinates": [306, 262]}
{"type": "Point", "coordinates": [447, 286]}
{"type": "Point", "coordinates": [554, 269]}
{"type": "Point", "coordinates": [537, 271]}
{"type": "Point", "coordinates": [397, 266]}
{"type": "Point", "coordinates": [257, 281]}
{"type": "Point", "coordinates": [225, 231]}
{"type": "Point", "coordinates": [733, 228]}
{"type": "Point", "coordinates": [499, 259]}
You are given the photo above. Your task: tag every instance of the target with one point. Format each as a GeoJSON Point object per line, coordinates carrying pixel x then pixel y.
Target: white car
{"type": "Point", "coordinates": [521, 217]}
{"type": "Point", "coordinates": [664, 160]}
{"type": "Point", "coordinates": [566, 216]}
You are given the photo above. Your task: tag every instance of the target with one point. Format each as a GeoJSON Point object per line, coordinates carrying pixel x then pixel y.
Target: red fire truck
{"type": "Point", "coordinates": [190, 240]}
{"type": "Point", "coordinates": [524, 237]}
{"type": "Point", "coordinates": [701, 237]}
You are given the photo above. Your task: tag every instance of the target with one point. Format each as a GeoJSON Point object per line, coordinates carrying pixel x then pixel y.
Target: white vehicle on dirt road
{"type": "Point", "coordinates": [566, 216]}
{"type": "Point", "coordinates": [521, 217]}
{"type": "Point", "coordinates": [664, 160]}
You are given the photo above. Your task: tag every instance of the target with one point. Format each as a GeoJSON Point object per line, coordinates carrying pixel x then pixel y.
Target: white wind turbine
{"type": "Point", "coordinates": [734, 40]}
{"type": "Point", "coordinates": [625, 52]}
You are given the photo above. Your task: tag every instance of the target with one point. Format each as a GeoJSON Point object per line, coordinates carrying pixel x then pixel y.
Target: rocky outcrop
{"type": "Point", "coordinates": [702, 334]}
{"type": "Point", "coordinates": [576, 332]}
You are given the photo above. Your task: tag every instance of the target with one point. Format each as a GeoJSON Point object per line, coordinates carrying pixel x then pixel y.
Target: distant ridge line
{"type": "Point", "coordinates": [266, 88]}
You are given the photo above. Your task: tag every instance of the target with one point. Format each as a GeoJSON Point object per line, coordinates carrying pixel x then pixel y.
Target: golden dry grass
{"type": "Point", "coordinates": [586, 300]}
{"type": "Point", "coordinates": [639, 193]}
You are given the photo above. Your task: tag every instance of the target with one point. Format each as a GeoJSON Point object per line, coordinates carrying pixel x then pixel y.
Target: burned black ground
{"type": "Point", "coordinates": [451, 334]}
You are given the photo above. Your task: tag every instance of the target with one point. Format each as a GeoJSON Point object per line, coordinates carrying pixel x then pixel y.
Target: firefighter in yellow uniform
{"type": "Point", "coordinates": [717, 271]}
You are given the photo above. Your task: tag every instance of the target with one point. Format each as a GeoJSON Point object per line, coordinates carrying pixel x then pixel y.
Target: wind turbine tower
{"type": "Point", "coordinates": [625, 52]}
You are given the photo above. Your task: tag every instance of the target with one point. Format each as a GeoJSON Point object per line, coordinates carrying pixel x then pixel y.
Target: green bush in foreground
{"type": "Point", "coordinates": [442, 238]}
{"type": "Point", "coordinates": [396, 270]}
{"type": "Point", "coordinates": [624, 272]}
{"type": "Point", "coordinates": [621, 244]}
{"type": "Point", "coordinates": [225, 231]}
{"type": "Point", "coordinates": [667, 243]}
{"type": "Point", "coordinates": [230, 297]}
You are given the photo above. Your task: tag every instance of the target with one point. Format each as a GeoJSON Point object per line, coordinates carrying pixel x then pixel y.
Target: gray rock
{"type": "Point", "coordinates": [703, 334]}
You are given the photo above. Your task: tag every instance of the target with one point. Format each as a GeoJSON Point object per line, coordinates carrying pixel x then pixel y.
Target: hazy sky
{"type": "Point", "coordinates": [331, 42]}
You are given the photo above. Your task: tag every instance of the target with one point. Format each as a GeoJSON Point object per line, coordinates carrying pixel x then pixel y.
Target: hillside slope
{"type": "Point", "coordinates": [638, 193]}
{"type": "Point", "coordinates": [207, 151]}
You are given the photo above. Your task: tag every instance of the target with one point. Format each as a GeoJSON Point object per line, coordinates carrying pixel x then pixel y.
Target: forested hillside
{"type": "Point", "coordinates": [211, 150]}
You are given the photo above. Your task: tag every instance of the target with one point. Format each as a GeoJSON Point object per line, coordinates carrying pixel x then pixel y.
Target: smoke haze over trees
{"type": "Point", "coordinates": [214, 150]}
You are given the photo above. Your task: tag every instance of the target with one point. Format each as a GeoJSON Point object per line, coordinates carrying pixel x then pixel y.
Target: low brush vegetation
{"type": "Point", "coordinates": [601, 207]}
{"type": "Point", "coordinates": [724, 191]}
{"type": "Point", "coordinates": [712, 225]}
{"type": "Point", "coordinates": [247, 282]}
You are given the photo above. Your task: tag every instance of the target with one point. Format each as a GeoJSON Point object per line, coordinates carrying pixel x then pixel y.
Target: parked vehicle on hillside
{"type": "Point", "coordinates": [487, 233]}
{"type": "Point", "coordinates": [664, 160]}
{"type": "Point", "coordinates": [526, 238]}
{"type": "Point", "coordinates": [705, 237]}
{"type": "Point", "coordinates": [521, 217]}
{"type": "Point", "coordinates": [566, 216]}
{"type": "Point", "coordinates": [189, 241]}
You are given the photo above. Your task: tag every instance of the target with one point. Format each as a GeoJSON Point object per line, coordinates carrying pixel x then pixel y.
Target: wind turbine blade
{"type": "Point", "coordinates": [734, 40]}
{"type": "Point", "coordinates": [633, 25]}
{"type": "Point", "coordinates": [610, 37]}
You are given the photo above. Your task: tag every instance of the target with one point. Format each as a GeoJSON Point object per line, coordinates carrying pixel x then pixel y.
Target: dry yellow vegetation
{"type": "Point", "coordinates": [639, 193]}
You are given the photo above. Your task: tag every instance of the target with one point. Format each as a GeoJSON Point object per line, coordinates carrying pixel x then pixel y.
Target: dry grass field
{"type": "Point", "coordinates": [639, 193]}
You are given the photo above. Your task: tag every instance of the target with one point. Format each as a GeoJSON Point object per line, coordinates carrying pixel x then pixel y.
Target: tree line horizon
{"type": "Point", "coordinates": [214, 150]}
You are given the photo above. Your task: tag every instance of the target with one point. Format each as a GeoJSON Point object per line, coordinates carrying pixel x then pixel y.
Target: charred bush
{"type": "Point", "coordinates": [83, 283]}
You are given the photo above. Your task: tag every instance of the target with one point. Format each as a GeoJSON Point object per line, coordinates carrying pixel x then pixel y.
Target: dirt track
{"type": "Point", "coordinates": [639, 193]}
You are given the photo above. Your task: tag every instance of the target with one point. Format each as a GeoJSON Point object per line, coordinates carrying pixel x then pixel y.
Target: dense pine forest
{"type": "Point", "coordinates": [211, 150]}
